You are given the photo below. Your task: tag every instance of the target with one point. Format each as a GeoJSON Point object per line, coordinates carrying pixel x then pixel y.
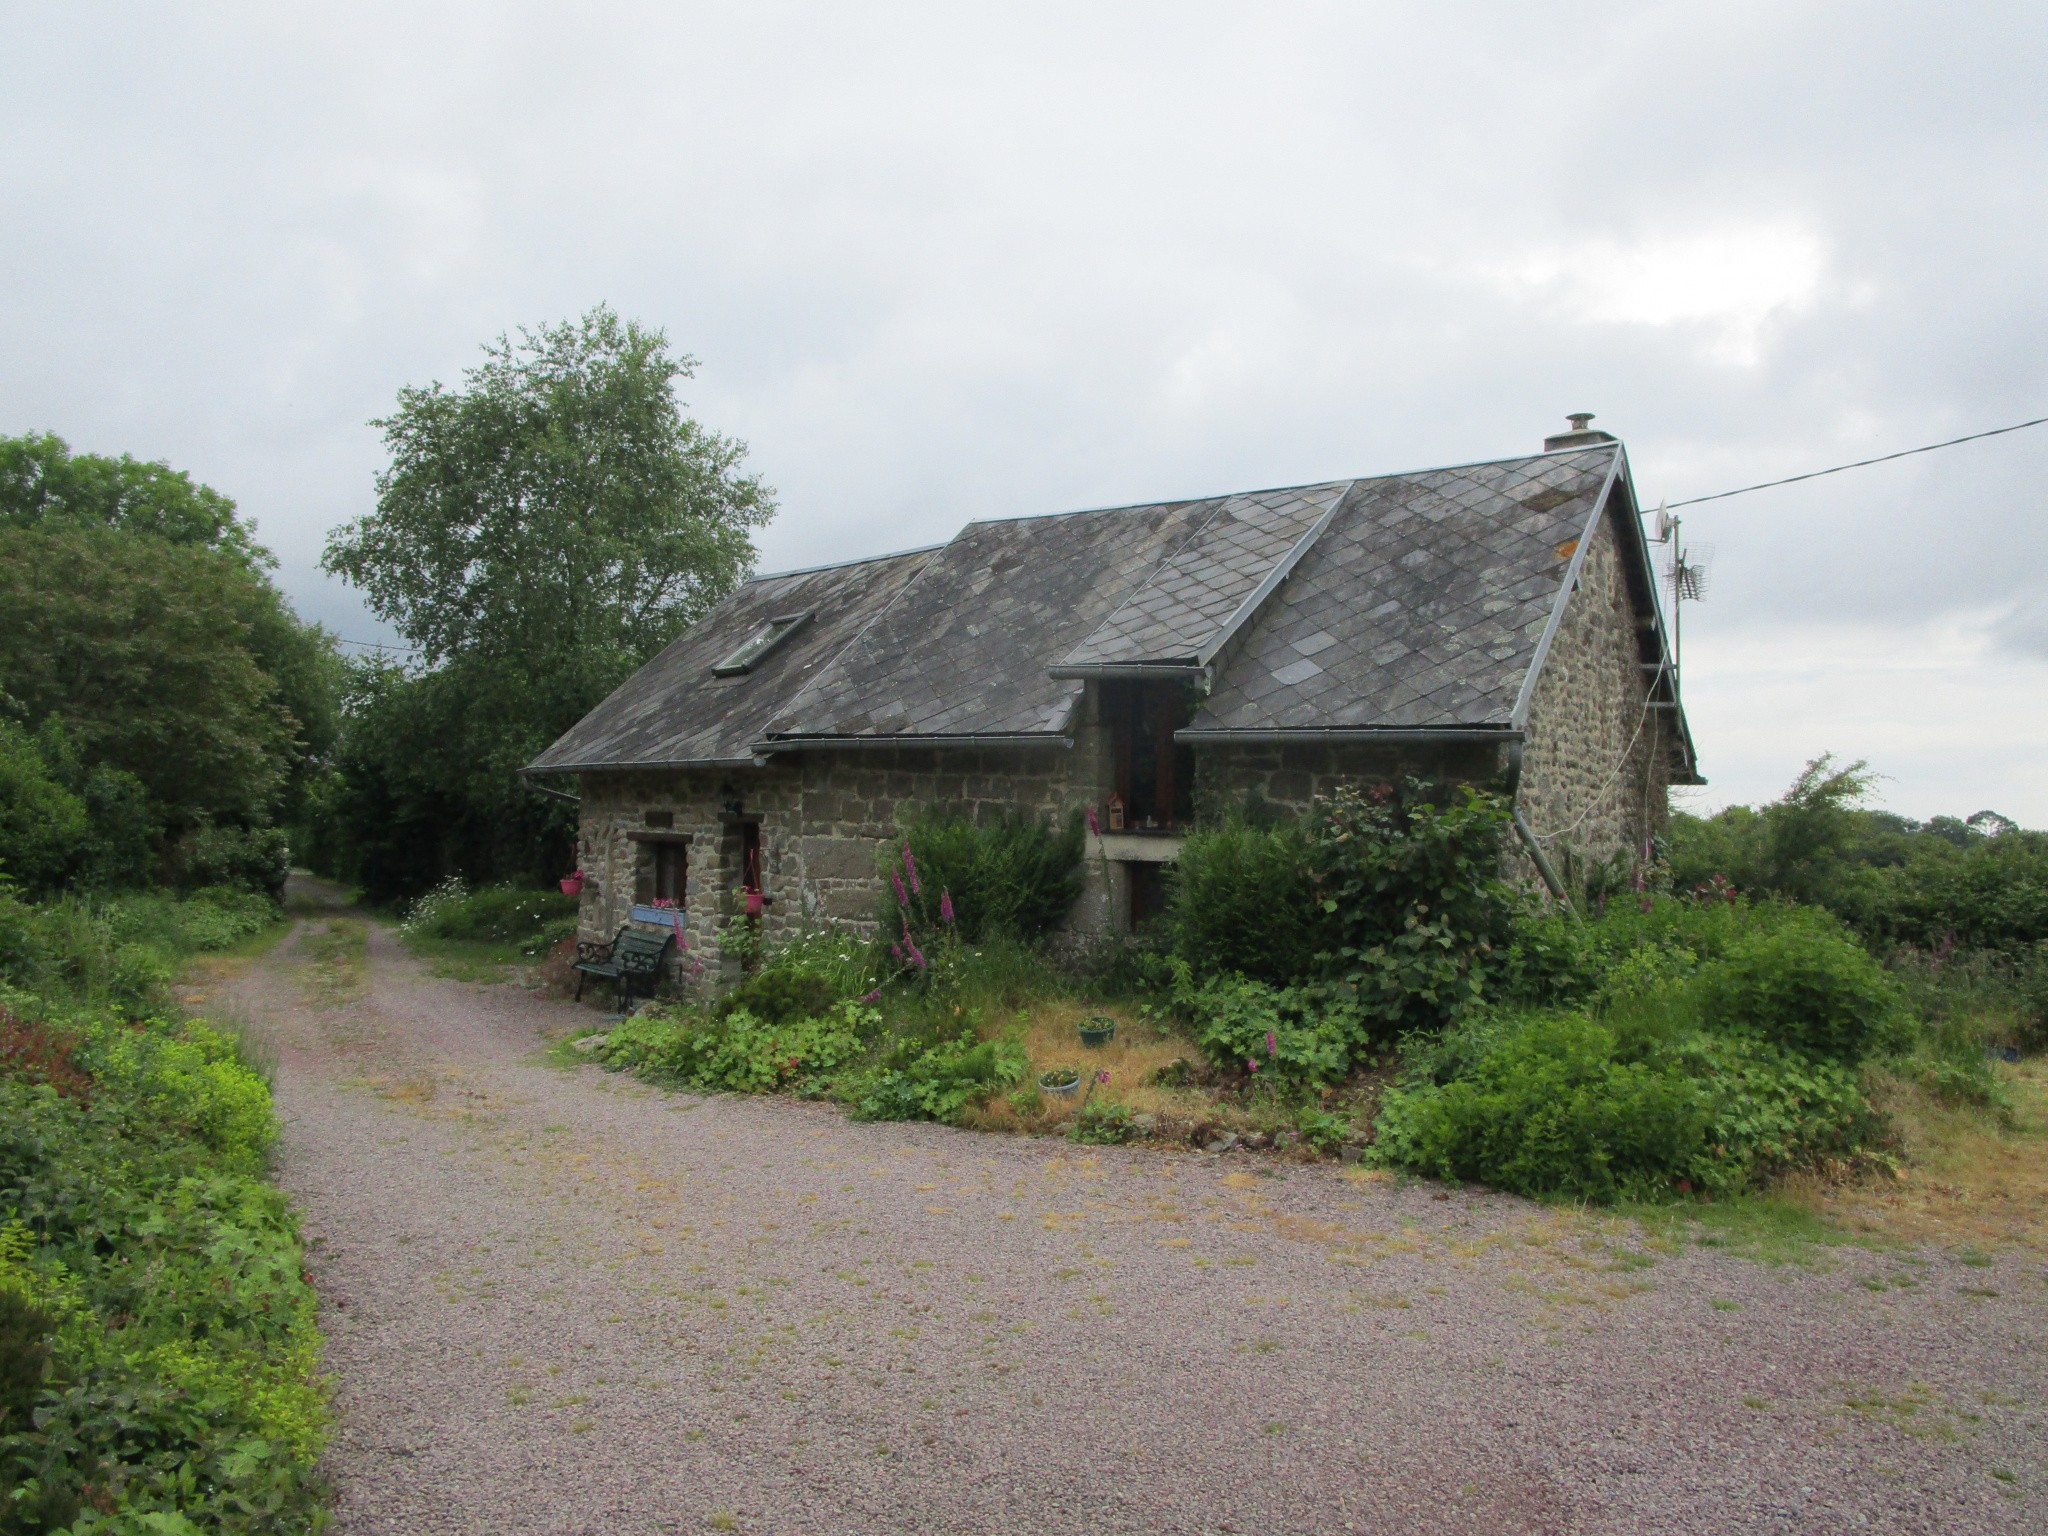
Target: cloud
{"type": "Point", "coordinates": [1726, 284]}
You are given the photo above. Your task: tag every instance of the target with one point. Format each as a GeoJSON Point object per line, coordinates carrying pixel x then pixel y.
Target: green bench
{"type": "Point", "coordinates": [633, 954]}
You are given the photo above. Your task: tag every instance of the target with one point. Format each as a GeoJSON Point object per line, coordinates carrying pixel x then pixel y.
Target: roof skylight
{"type": "Point", "coordinates": [757, 647]}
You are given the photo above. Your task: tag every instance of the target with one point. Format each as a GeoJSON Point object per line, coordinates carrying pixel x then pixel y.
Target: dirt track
{"type": "Point", "coordinates": [558, 1301]}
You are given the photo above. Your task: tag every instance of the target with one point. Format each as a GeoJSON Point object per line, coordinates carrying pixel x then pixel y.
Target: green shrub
{"type": "Point", "coordinates": [180, 1328]}
{"type": "Point", "coordinates": [1242, 899]}
{"type": "Point", "coordinates": [1808, 986]}
{"type": "Point", "coordinates": [45, 835]}
{"type": "Point", "coordinates": [738, 1052]}
{"type": "Point", "coordinates": [251, 858]}
{"type": "Point", "coordinates": [1639, 1106]}
{"type": "Point", "coordinates": [1012, 876]}
{"type": "Point", "coordinates": [934, 1081]}
{"type": "Point", "coordinates": [1768, 1110]}
{"type": "Point", "coordinates": [1542, 1105]}
{"type": "Point", "coordinates": [1410, 882]}
{"type": "Point", "coordinates": [1101, 1123]}
{"type": "Point", "coordinates": [1296, 1037]}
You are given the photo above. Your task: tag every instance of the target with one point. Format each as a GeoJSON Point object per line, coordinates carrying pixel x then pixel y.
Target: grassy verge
{"type": "Point", "coordinates": [498, 933]}
{"type": "Point", "coordinates": [155, 1319]}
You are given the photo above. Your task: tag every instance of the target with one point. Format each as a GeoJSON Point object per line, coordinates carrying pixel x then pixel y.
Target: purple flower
{"type": "Point", "coordinates": [1272, 1046]}
{"type": "Point", "coordinates": [896, 949]}
{"type": "Point", "coordinates": [1251, 1063]}
{"type": "Point", "coordinates": [917, 958]}
{"type": "Point", "coordinates": [1094, 825]}
{"type": "Point", "coordinates": [910, 867]}
{"type": "Point", "coordinates": [895, 879]}
{"type": "Point", "coordinates": [872, 997]}
{"type": "Point", "coordinates": [945, 906]}
{"type": "Point", "coordinates": [1102, 1077]}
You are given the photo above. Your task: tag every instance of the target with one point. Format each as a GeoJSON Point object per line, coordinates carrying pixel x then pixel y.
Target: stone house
{"type": "Point", "coordinates": [1494, 622]}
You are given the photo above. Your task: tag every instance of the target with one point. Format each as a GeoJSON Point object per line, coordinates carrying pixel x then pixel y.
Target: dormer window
{"type": "Point", "coordinates": [758, 646]}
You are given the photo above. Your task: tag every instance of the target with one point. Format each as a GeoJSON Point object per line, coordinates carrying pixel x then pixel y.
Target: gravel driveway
{"type": "Point", "coordinates": [560, 1301]}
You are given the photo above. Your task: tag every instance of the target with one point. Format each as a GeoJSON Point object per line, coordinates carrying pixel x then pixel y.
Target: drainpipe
{"type": "Point", "coordinates": [1528, 837]}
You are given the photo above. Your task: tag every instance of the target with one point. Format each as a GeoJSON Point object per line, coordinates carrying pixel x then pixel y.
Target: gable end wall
{"type": "Point", "coordinates": [1596, 766]}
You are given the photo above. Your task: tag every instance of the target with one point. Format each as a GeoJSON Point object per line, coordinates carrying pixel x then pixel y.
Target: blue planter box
{"type": "Point", "coordinates": [666, 917]}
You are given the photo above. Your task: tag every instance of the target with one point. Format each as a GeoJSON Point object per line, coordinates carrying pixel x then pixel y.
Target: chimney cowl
{"type": "Point", "coordinates": [1581, 434]}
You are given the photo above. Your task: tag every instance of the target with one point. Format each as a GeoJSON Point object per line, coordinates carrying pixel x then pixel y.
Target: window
{"type": "Point", "coordinates": [1148, 892]}
{"type": "Point", "coordinates": [671, 871]}
{"type": "Point", "coordinates": [1155, 775]}
{"type": "Point", "coordinates": [757, 646]}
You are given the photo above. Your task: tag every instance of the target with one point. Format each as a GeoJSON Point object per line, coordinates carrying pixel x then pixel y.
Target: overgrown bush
{"type": "Point", "coordinates": [1011, 876]}
{"type": "Point", "coordinates": [733, 1050]}
{"type": "Point", "coordinates": [1807, 986]}
{"type": "Point", "coordinates": [1544, 1104]}
{"type": "Point", "coordinates": [153, 1304]}
{"type": "Point", "coordinates": [1298, 1037]}
{"type": "Point", "coordinates": [1242, 898]}
{"type": "Point", "coordinates": [933, 1080]}
{"type": "Point", "coordinates": [1564, 1104]}
{"type": "Point", "coordinates": [496, 914]}
{"type": "Point", "coordinates": [1411, 883]}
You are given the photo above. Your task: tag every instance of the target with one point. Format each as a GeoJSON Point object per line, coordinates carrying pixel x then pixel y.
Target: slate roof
{"type": "Point", "coordinates": [673, 711]}
{"type": "Point", "coordinates": [1421, 604]}
{"type": "Point", "coordinates": [1412, 601]}
{"type": "Point", "coordinates": [1184, 611]}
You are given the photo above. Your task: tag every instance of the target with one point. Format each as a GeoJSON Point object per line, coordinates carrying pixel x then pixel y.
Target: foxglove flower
{"type": "Point", "coordinates": [917, 957]}
{"type": "Point", "coordinates": [874, 996]}
{"type": "Point", "coordinates": [910, 868]}
{"type": "Point", "coordinates": [1094, 825]}
{"type": "Point", "coordinates": [1272, 1046]}
{"type": "Point", "coordinates": [945, 906]}
{"type": "Point", "coordinates": [902, 900]}
{"type": "Point", "coordinates": [896, 949]}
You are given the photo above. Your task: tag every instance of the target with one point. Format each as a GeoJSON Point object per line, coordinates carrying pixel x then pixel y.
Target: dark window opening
{"type": "Point", "coordinates": [1155, 775]}
{"type": "Point", "coordinates": [671, 871]}
{"type": "Point", "coordinates": [1148, 892]}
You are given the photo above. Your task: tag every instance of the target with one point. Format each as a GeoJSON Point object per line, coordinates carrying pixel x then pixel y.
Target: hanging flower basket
{"type": "Point", "coordinates": [572, 885]}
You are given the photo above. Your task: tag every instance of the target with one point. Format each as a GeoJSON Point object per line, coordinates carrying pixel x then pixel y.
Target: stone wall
{"type": "Point", "coordinates": [1289, 779]}
{"type": "Point", "coordinates": [1596, 767]}
{"type": "Point", "coordinates": [822, 817]}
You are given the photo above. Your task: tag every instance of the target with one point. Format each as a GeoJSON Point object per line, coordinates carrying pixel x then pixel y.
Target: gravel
{"type": "Point", "coordinates": [557, 1300]}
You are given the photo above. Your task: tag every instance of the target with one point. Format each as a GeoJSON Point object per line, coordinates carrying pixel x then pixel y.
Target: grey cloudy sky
{"type": "Point", "coordinates": [943, 262]}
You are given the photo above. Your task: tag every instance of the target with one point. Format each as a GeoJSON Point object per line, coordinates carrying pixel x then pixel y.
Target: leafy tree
{"type": "Point", "coordinates": [44, 484]}
{"type": "Point", "coordinates": [140, 649]}
{"type": "Point", "coordinates": [169, 688]}
{"type": "Point", "coordinates": [560, 508]}
{"type": "Point", "coordinates": [1975, 882]}
{"type": "Point", "coordinates": [539, 533]}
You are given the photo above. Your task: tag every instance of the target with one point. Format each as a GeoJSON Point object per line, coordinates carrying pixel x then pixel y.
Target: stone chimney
{"type": "Point", "coordinates": [1580, 436]}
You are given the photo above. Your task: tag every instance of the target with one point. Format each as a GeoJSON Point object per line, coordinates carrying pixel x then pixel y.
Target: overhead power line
{"type": "Point", "coordinates": [1883, 458]}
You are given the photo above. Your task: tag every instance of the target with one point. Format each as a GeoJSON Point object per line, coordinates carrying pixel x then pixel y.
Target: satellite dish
{"type": "Point", "coordinates": [1666, 524]}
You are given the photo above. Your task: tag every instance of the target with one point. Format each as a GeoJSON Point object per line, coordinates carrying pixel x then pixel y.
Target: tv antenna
{"type": "Point", "coordinates": [1689, 572]}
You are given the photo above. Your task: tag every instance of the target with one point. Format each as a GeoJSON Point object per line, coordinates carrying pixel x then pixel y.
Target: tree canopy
{"type": "Point", "coordinates": [559, 508]}
{"type": "Point", "coordinates": [43, 484]}
{"type": "Point", "coordinates": [153, 681]}
{"type": "Point", "coordinates": [538, 534]}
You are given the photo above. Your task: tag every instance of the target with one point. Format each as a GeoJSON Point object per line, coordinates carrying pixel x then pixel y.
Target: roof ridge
{"type": "Point", "coordinates": [840, 565]}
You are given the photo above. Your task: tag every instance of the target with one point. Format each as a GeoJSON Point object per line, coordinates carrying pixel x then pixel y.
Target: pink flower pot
{"type": "Point", "coordinates": [573, 886]}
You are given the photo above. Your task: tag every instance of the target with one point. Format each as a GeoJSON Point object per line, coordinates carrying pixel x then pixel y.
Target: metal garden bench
{"type": "Point", "coordinates": [633, 954]}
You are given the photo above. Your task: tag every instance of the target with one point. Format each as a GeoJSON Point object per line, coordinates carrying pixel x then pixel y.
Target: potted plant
{"type": "Point", "coordinates": [572, 883]}
{"type": "Point", "coordinates": [1060, 1082]}
{"type": "Point", "coordinates": [1097, 1030]}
